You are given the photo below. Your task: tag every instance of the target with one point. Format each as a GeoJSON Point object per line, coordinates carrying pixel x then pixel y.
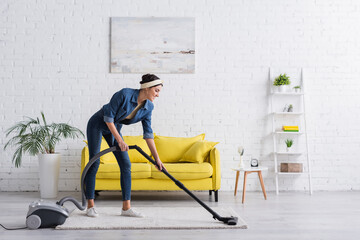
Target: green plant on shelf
{"type": "Point", "coordinates": [282, 79]}
{"type": "Point", "coordinates": [297, 88]}
{"type": "Point", "coordinates": [289, 143]}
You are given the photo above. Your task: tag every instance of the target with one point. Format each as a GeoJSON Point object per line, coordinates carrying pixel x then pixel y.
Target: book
{"type": "Point", "coordinates": [290, 127]}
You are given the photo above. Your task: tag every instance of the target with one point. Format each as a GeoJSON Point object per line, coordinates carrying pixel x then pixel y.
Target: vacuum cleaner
{"type": "Point", "coordinates": [45, 214]}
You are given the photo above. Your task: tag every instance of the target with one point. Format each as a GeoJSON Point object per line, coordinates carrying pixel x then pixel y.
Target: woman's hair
{"type": "Point", "coordinates": [149, 78]}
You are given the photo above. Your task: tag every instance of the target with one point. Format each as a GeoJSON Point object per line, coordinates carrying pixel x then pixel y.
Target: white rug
{"type": "Point", "coordinates": [155, 218]}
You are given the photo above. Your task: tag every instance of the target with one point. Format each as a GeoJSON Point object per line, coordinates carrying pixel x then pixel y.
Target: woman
{"type": "Point", "coordinates": [126, 107]}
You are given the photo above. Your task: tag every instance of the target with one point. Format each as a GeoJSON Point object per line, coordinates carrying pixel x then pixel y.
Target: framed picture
{"type": "Point", "coordinates": [152, 45]}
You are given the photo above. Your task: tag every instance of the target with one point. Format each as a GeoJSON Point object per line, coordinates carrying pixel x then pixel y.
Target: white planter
{"type": "Point", "coordinates": [288, 149]}
{"type": "Point", "coordinates": [282, 88]}
{"type": "Point", "coordinates": [49, 167]}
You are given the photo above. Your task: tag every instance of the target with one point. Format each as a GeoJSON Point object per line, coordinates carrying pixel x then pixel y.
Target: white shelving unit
{"type": "Point", "coordinates": [300, 117]}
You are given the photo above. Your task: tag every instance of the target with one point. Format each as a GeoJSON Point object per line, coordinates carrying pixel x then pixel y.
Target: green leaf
{"type": "Point", "coordinates": [17, 157]}
{"type": "Point", "coordinates": [43, 117]}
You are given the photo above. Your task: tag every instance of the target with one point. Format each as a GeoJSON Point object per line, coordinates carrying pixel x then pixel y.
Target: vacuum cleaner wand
{"type": "Point", "coordinates": [228, 220]}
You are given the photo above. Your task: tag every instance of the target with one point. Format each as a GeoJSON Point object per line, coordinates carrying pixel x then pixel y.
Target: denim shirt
{"type": "Point", "coordinates": [122, 104]}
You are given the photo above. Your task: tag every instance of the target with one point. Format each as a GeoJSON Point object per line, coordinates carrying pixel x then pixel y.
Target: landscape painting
{"type": "Point", "coordinates": [152, 45]}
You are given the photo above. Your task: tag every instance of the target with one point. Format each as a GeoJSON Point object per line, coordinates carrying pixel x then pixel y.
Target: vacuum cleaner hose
{"type": "Point", "coordinates": [83, 175]}
{"type": "Point", "coordinates": [73, 200]}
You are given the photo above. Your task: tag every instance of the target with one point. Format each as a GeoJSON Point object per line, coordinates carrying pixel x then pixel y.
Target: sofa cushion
{"type": "Point", "coordinates": [134, 155]}
{"type": "Point", "coordinates": [184, 171]}
{"type": "Point", "coordinates": [198, 151]}
{"type": "Point", "coordinates": [112, 170]}
{"type": "Point", "coordinates": [171, 149]}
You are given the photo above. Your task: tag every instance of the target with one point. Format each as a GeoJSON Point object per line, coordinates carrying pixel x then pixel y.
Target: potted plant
{"type": "Point", "coordinates": [289, 143]}
{"type": "Point", "coordinates": [282, 81]}
{"type": "Point", "coordinates": [297, 89]}
{"type": "Point", "coordinates": [40, 138]}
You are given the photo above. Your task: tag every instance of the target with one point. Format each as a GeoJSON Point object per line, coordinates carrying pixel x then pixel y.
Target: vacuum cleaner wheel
{"type": "Point", "coordinates": [33, 222]}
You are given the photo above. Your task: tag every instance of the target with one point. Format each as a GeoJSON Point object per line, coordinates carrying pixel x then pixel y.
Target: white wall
{"type": "Point", "coordinates": [55, 58]}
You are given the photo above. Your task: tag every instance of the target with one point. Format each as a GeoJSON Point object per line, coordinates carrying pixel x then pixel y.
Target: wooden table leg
{"type": "Point", "coordinates": [262, 183]}
{"type": "Point", "coordinates": [244, 187]}
{"type": "Point", "coordinates": [236, 181]}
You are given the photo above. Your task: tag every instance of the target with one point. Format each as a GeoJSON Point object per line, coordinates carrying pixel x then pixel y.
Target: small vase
{"type": "Point", "coordinates": [282, 88]}
{"type": "Point", "coordinates": [241, 163]}
{"type": "Point", "coordinates": [288, 149]}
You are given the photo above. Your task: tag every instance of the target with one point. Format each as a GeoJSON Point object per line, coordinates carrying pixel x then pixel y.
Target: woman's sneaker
{"type": "Point", "coordinates": [131, 213]}
{"type": "Point", "coordinates": [91, 212]}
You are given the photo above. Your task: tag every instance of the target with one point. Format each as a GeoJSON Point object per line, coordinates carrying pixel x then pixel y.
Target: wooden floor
{"type": "Point", "coordinates": [290, 215]}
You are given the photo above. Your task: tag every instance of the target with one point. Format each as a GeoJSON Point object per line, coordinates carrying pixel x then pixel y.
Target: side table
{"type": "Point", "coordinates": [247, 171]}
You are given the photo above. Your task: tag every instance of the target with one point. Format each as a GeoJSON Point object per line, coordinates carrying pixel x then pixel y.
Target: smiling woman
{"type": "Point", "coordinates": [127, 106]}
{"type": "Point", "coordinates": [150, 86]}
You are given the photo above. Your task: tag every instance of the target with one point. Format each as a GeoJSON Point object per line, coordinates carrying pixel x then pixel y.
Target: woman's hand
{"type": "Point", "coordinates": [123, 146]}
{"type": "Point", "coordinates": [159, 165]}
{"type": "Point", "coordinates": [151, 144]}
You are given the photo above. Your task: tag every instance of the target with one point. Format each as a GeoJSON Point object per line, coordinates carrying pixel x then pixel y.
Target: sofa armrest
{"type": "Point", "coordinates": [215, 163]}
{"type": "Point", "coordinates": [84, 158]}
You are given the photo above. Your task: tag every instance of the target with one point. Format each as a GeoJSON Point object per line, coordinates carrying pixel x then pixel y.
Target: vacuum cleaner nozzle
{"type": "Point", "coordinates": [229, 220]}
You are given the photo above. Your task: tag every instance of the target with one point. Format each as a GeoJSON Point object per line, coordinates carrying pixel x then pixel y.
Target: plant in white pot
{"type": "Point", "coordinates": [282, 82]}
{"type": "Point", "coordinates": [297, 89]}
{"type": "Point", "coordinates": [39, 138]}
{"type": "Point", "coordinates": [289, 143]}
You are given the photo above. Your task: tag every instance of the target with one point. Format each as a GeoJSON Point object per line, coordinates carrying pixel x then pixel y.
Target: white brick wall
{"type": "Point", "coordinates": [55, 57]}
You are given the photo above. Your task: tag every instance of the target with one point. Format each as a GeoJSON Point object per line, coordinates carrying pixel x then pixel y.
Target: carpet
{"type": "Point", "coordinates": [155, 218]}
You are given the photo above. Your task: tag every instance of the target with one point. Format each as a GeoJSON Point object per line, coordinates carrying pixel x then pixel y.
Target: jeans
{"type": "Point", "coordinates": [97, 128]}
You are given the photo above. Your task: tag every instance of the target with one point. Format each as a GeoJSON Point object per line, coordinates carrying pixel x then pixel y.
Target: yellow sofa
{"type": "Point", "coordinates": [193, 161]}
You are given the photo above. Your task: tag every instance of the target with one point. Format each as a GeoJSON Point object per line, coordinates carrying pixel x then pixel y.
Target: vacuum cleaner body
{"type": "Point", "coordinates": [45, 214]}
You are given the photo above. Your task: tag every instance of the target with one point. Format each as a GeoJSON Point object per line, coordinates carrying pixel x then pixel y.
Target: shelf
{"type": "Point", "coordinates": [292, 173]}
{"type": "Point", "coordinates": [289, 153]}
{"type": "Point", "coordinates": [288, 133]}
{"type": "Point", "coordinates": [288, 113]}
{"type": "Point", "coordinates": [287, 93]}
{"type": "Point", "coordinates": [299, 153]}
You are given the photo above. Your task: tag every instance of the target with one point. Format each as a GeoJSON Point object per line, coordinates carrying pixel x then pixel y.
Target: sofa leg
{"type": "Point", "coordinates": [97, 193]}
{"type": "Point", "coordinates": [210, 192]}
{"type": "Point", "coordinates": [216, 196]}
